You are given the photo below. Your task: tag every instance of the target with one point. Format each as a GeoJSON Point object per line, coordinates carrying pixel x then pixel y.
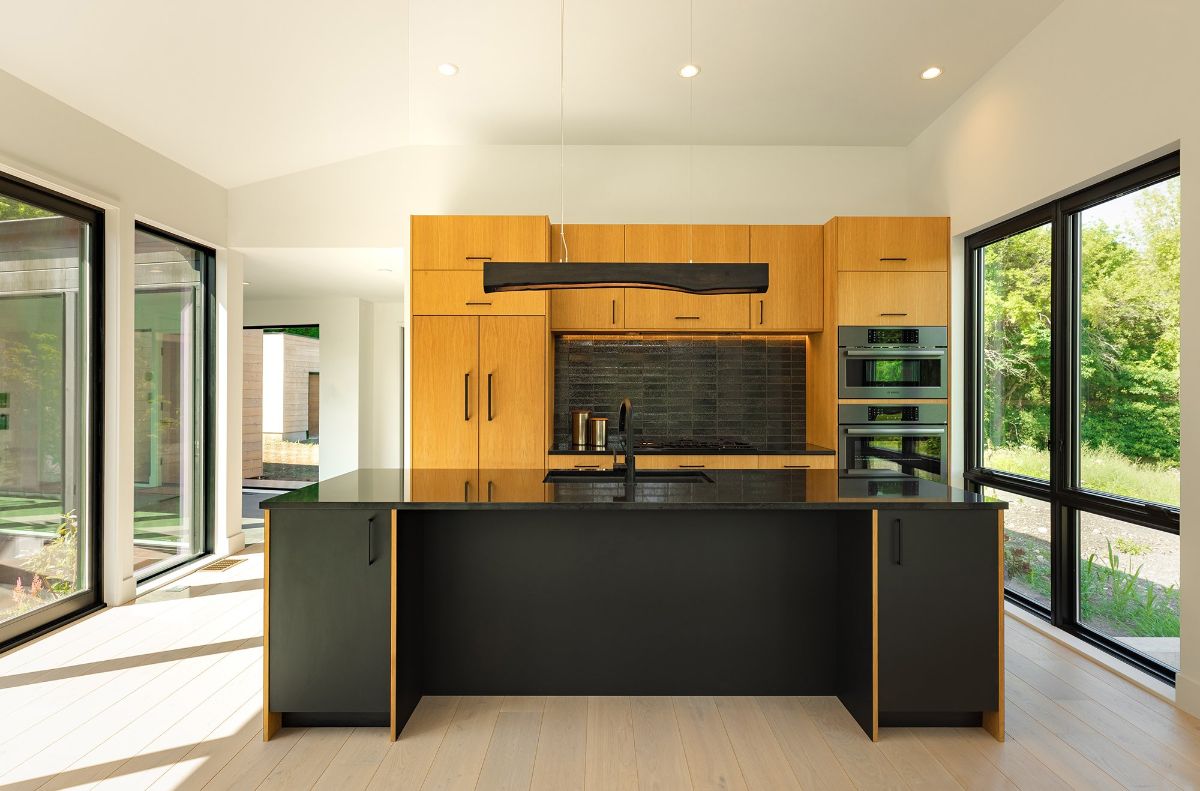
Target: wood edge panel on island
{"type": "Point", "coordinates": [821, 381]}
{"type": "Point", "coordinates": [993, 721]}
{"type": "Point", "coordinates": [272, 721]}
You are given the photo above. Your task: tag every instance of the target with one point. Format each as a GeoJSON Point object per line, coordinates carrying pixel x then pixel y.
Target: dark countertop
{"type": "Point", "coordinates": [770, 449]}
{"type": "Point", "coordinates": [729, 489]}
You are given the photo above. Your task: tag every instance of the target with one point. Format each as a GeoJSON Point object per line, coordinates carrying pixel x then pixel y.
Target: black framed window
{"type": "Point", "coordinates": [1073, 407]}
{"type": "Point", "coordinates": [173, 400]}
{"type": "Point", "coordinates": [51, 408]}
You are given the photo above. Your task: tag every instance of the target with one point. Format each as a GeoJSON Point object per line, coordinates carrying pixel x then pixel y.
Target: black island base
{"type": "Point", "coordinates": [379, 590]}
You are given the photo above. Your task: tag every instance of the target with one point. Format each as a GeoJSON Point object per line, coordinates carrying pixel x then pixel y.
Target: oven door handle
{"type": "Point", "coordinates": [903, 432]}
{"type": "Point", "coordinates": [897, 354]}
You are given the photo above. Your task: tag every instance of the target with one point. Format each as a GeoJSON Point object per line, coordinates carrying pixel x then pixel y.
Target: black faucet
{"type": "Point", "coordinates": [625, 426]}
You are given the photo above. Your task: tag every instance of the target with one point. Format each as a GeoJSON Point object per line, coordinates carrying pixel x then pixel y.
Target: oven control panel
{"type": "Point", "coordinates": [893, 414]}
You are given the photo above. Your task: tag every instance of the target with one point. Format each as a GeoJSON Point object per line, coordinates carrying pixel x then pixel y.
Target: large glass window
{"type": "Point", "coordinates": [171, 345]}
{"type": "Point", "coordinates": [49, 389]}
{"type": "Point", "coordinates": [1073, 407]}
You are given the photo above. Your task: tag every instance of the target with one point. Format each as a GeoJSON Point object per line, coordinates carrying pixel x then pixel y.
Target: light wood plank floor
{"type": "Point", "coordinates": [166, 693]}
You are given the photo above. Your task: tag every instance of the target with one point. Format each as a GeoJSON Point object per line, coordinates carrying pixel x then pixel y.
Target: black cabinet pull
{"type": "Point", "coordinates": [691, 466]}
{"type": "Point", "coordinates": [796, 466]}
{"type": "Point", "coordinates": [760, 310]}
{"type": "Point", "coordinates": [489, 397]}
{"type": "Point", "coordinates": [614, 312]}
{"type": "Point", "coordinates": [893, 314]}
{"type": "Point", "coordinates": [477, 303]}
{"type": "Point", "coordinates": [893, 259]}
{"type": "Point", "coordinates": [371, 541]}
{"type": "Point", "coordinates": [691, 318]}
{"type": "Point", "coordinates": [490, 487]}
{"type": "Point", "coordinates": [466, 491]}
{"type": "Point", "coordinates": [467, 396]}
{"type": "Point", "coordinates": [479, 258]}
{"type": "Point", "coordinates": [587, 466]}
{"type": "Point", "coordinates": [897, 526]}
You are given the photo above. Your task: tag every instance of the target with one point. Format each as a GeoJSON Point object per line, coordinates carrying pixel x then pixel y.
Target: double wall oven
{"type": "Point", "coordinates": [892, 362]}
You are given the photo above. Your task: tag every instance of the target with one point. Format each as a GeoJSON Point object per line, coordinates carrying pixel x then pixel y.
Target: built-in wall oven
{"type": "Point", "coordinates": [892, 362]}
{"type": "Point", "coordinates": [903, 439]}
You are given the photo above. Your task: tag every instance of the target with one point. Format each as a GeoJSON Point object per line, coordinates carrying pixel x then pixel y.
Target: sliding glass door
{"type": "Point", "coordinates": [50, 368]}
{"type": "Point", "coordinates": [171, 381]}
{"type": "Point", "coordinates": [1073, 407]}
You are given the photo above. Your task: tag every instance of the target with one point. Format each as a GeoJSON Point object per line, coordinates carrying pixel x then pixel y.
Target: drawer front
{"type": "Point", "coordinates": [581, 461]}
{"type": "Point", "coordinates": [892, 298]}
{"type": "Point", "coordinates": [461, 294]}
{"type": "Point", "coordinates": [706, 462]}
{"type": "Point", "coordinates": [460, 242]}
{"type": "Point", "coordinates": [773, 462]}
{"type": "Point", "coordinates": [653, 309]}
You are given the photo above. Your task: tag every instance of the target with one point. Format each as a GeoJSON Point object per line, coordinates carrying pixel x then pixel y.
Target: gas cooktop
{"type": "Point", "coordinates": [694, 444]}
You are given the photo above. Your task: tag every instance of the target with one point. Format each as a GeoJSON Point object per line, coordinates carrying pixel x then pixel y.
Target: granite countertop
{"type": "Point", "coordinates": [725, 489]}
{"type": "Point", "coordinates": [769, 449]}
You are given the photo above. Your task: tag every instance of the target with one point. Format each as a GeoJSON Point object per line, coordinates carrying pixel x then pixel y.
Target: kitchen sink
{"type": "Point", "coordinates": [618, 476]}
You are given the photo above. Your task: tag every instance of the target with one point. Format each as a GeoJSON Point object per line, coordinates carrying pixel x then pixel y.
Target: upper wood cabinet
{"type": "Point", "coordinates": [588, 308]}
{"type": "Point", "coordinates": [654, 309]}
{"type": "Point", "coordinates": [437, 293]}
{"type": "Point", "coordinates": [794, 297]}
{"type": "Point", "coordinates": [892, 298]}
{"type": "Point", "coordinates": [465, 242]}
{"type": "Point", "coordinates": [914, 244]}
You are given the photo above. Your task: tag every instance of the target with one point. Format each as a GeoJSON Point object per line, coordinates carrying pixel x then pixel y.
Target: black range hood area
{"type": "Point", "coordinates": [689, 278]}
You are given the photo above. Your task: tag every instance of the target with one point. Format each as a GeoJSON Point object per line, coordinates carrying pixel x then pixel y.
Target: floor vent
{"type": "Point", "coordinates": [224, 565]}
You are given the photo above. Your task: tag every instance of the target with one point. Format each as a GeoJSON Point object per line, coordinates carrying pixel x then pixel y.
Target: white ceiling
{"type": "Point", "coordinates": [373, 274]}
{"type": "Point", "coordinates": [243, 90]}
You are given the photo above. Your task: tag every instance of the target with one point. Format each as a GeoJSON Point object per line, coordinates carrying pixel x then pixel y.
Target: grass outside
{"type": "Point", "coordinates": [1102, 469]}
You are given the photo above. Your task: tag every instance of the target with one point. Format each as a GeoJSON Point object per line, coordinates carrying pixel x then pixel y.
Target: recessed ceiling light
{"type": "Point", "coordinates": [931, 73]}
{"type": "Point", "coordinates": [245, 283]}
{"type": "Point", "coordinates": [447, 69]}
{"type": "Point", "coordinates": [689, 70]}
{"type": "Point", "coordinates": [384, 269]}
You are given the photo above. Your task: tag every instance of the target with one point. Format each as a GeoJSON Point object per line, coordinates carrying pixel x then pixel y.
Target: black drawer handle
{"type": "Point", "coordinates": [796, 466]}
{"type": "Point", "coordinates": [893, 314]}
{"type": "Point", "coordinates": [490, 489]}
{"type": "Point", "coordinates": [587, 466]}
{"type": "Point", "coordinates": [683, 318]}
{"type": "Point", "coordinates": [897, 526]}
{"type": "Point", "coordinates": [614, 312]}
{"type": "Point", "coordinates": [467, 396]}
{"type": "Point", "coordinates": [893, 259]}
{"type": "Point", "coordinates": [479, 258]}
{"type": "Point", "coordinates": [371, 541]}
{"type": "Point", "coordinates": [691, 466]}
{"type": "Point", "coordinates": [489, 397]}
{"type": "Point", "coordinates": [466, 491]}
{"type": "Point", "coordinates": [469, 304]}
{"type": "Point", "coordinates": [760, 310]}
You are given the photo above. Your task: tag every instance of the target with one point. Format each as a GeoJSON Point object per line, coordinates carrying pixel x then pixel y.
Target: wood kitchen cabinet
{"type": "Point", "coordinates": [903, 244]}
{"type": "Point", "coordinates": [812, 461]}
{"type": "Point", "coordinates": [665, 461]}
{"type": "Point", "coordinates": [440, 293]}
{"type": "Point", "coordinates": [794, 298]}
{"type": "Point", "coordinates": [478, 392]}
{"type": "Point", "coordinates": [892, 298]}
{"type": "Point", "coordinates": [655, 309]}
{"type": "Point", "coordinates": [588, 308]}
{"type": "Point", "coordinates": [465, 242]}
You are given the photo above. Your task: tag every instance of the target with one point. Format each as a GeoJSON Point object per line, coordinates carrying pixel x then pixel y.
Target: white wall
{"type": "Point", "coordinates": [1098, 86]}
{"type": "Point", "coordinates": [48, 142]}
{"type": "Point", "coordinates": [345, 371]}
{"type": "Point", "coordinates": [272, 384]}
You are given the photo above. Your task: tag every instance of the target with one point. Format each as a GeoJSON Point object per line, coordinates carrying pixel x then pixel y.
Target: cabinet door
{"type": "Point", "coordinates": [900, 244]}
{"type": "Point", "coordinates": [436, 293]}
{"type": "Point", "coordinates": [588, 308]}
{"type": "Point", "coordinates": [512, 392]}
{"type": "Point", "coordinates": [445, 392]}
{"type": "Point", "coordinates": [939, 611]}
{"type": "Point", "coordinates": [462, 242]}
{"type": "Point", "coordinates": [805, 462]}
{"type": "Point", "coordinates": [892, 298]}
{"type": "Point", "coordinates": [665, 461]}
{"type": "Point", "coordinates": [653, 309]}
{"type": "Point", "coordinates": [794, 297]}
{"type": "Point", "coordinates": [915, 244]}
{"type": "Point", "coordinates": [330, 596]}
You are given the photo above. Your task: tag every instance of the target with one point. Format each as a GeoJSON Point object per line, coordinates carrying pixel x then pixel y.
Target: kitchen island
{"type": "Point", "coordinates": [382, 586]}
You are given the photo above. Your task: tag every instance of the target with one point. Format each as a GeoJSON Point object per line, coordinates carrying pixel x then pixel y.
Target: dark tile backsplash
{"type": "Point", "coordinates": [751, 389]}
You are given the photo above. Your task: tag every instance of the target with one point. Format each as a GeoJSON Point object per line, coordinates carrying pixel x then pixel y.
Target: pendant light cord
{"type": "Point", "coordinates": [691, 141]}
{"type": "Point", "coordinates": [562, 135]}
